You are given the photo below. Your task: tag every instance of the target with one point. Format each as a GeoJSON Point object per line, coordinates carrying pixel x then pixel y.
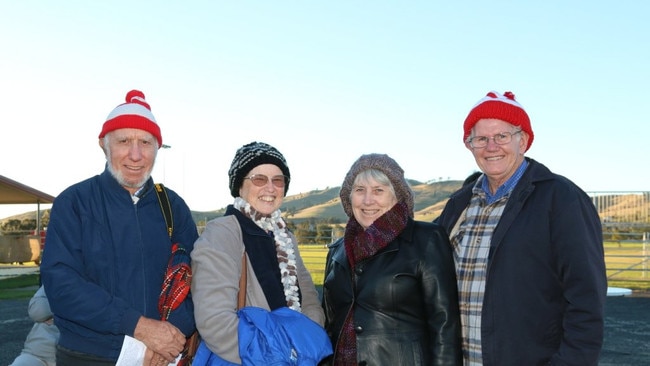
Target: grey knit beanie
{"type": "Point", "coordinates": [384, 164]}
{"type": "Point", "coordinates": [251, 155]}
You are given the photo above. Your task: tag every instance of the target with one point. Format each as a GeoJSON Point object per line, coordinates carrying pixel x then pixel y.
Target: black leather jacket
{"type": "Point", "coordinates": [404, 300]}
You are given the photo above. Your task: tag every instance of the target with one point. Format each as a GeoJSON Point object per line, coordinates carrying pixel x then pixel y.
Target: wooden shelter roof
{"type": "Point", "coordinates": [13, 192]}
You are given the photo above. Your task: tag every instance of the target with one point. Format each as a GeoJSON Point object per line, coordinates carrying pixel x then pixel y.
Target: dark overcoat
{"type": "Point", "coordinates": [546, 281]}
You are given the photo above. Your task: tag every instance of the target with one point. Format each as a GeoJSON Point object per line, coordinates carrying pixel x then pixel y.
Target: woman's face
{"type": "Point", "coordinates": [370, 199]}
{"type": "Point", "coordinates": [267, 198]}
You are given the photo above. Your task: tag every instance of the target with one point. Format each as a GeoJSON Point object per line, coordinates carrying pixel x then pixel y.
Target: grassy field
{"type": "Point", "coordinates": [628, 264]}
{"type": "Point", "coordinates": [20, 287]}
{"type": "Point", "coordinates": [314, 257]}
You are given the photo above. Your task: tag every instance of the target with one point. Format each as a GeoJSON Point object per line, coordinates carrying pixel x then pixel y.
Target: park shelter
{"type": "Point", "coordinates": [13, 192]}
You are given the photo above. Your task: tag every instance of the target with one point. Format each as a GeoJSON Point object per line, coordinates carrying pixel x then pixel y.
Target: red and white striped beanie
{"type": "Point", "coordinates": [503, 107]}
{"type": "Point", "coordinates": [135, 113]}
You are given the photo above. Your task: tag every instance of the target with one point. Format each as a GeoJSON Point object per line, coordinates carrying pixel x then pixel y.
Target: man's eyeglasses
{"type": "Point", "coordinates": [260, 180]}
{"type": "Point", "coordinates": [502, 138]}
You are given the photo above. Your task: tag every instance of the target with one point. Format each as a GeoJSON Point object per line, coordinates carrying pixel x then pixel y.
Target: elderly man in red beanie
{"type": "Point", "coordinates": [108, 247]}
{"type": "Point", "coordinates": [528, 250]}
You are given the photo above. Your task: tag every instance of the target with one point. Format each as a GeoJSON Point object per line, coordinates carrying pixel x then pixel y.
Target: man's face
{"type": "Point", "coordinates": [498, 161]}
{"type": "Point", "coordinates": [131, 154]}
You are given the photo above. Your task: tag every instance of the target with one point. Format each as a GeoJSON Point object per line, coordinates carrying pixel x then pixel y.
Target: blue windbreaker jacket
{"type": "Point", "coordinates": [104, 262]}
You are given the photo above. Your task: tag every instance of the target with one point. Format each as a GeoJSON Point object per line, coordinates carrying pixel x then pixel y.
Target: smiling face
{"type": "Point", "coordinates": [371, 196]}
{"type": "Point", "coordinates": [267, 198]}
{"type": "Point", "coordinates": [498, 162]}
{"type": "Point", "coordinates": [131, 154]}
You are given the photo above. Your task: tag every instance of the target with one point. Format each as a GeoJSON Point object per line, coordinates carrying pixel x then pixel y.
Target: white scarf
{"type": "Point", "coordinates": [284, 248]}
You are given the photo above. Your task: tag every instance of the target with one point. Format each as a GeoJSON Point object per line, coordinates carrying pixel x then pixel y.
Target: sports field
{"type": "Point", "coordinates": [628, 263]}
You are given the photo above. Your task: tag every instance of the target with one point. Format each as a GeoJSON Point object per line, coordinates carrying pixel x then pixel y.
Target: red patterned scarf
{"type": "Point", "coordinates": [361, 244]}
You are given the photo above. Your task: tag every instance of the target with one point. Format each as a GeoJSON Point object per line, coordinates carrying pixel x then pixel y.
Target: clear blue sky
{"type": "Point", "coordinates": [323, 81]}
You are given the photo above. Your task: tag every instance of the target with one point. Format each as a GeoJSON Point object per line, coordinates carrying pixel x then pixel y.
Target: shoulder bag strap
{"type": "Point", "coordinates": [165, 207]}
{"type": "Point", "coordinates": [241, 296]}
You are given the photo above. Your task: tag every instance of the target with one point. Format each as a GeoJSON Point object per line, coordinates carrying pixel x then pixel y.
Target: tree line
{"type": "Point", "coordinates": [325, 230]}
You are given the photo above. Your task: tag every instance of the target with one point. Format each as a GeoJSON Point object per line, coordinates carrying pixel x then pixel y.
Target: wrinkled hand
{"type": "Point", "coordinates": [152, 358]}
{"type": "Point", "coordinates": [162, 338]}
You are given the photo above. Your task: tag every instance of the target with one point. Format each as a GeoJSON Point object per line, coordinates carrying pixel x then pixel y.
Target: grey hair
{"type": "Point", "coordinates": [376, 175]}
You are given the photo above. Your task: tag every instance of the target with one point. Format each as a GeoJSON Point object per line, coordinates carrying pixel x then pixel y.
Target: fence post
{"type": "Point", "coordinates": [645, 254]}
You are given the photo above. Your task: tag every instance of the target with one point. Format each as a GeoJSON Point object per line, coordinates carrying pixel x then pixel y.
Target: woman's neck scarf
{"type": "Point", "coordinates": [361, 244]}
{"type": "Point", "coordinates": [284, 247]}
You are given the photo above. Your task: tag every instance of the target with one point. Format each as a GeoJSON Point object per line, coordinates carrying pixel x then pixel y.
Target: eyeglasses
{"type": "Point", "coordinates": [502, 138]}
{"type": "Point", "coordinates": [260, 180]}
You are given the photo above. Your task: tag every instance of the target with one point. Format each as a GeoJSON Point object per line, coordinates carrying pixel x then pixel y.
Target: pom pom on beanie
{"type": "Point", "coordinates": [503, 107]}
{"type": "Point", "coordinates": [135, 113]}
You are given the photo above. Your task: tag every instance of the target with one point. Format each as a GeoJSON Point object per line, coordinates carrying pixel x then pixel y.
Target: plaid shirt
{"type": "Point", "coordinates": [471, 243]}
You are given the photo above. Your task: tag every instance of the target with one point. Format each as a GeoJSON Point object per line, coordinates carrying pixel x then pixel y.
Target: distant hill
{"type": "Point", "coordinates": [430, 198]}
{"type": "Point", "coordinates": [326, 204]}
{"type": "Point", "coordinates": [30, 215]}
{"type": "Point", "coordinates": [323, 204]}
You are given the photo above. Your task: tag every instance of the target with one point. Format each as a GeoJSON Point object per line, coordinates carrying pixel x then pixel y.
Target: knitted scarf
{"type": "Point", "coordinates": [284, 247]}
{"type": "Point", "coordinates": [361, 244]}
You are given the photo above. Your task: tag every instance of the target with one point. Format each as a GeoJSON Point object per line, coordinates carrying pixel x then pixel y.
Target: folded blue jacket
{"type": "Point", "coordinates": [281, 337]}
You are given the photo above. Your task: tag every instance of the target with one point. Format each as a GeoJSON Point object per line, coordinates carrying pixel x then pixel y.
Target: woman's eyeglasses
{"type": "Point", "coordinates": [260, 180]}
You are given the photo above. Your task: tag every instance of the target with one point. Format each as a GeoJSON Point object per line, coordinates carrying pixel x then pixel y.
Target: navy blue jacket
{"type": "Point", "coordinates": [546, 282]}
{"type": "Point", "coordinates": [105, 259]}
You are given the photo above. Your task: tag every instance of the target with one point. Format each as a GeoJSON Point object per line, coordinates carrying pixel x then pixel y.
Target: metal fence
{"type": "Point", "coordinates": [625, 216]}
{"type": "Point", "coordinates": [622, 207]}
{"type": "Point", "coordinates": [628, 261]}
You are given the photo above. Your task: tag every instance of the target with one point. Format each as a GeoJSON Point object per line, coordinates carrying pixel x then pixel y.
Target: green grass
{"type": "Point", "coordinates": [20, 287]}
{"type": "Point", "coordinates": [627, 265]}
{"type": "Point", "coordinates": [314, 258]}
{"type": "Point", "coordinates": [620, 270]}
{"type": "Point", "coordinates": [641, 286]}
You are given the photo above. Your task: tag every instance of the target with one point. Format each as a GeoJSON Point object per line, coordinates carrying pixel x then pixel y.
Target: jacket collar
{"type": "Point", "coordinates": [248, 226]}
{"type": "Point", "coordinates": [108, 180]}
{"type": "Point", "coordinates": [407, 235]}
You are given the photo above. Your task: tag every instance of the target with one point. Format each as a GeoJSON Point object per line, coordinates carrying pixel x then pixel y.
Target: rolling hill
{"type": "Point", "coordinates": [326, 204]}
{"type": "Point", "coordinates": [430, 198]}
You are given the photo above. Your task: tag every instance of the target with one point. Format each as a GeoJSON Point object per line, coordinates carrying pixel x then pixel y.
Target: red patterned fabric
{"type": "Point", "coordinates": [175, 288]}
{"type": "Point", "coordinates": [176, 285]}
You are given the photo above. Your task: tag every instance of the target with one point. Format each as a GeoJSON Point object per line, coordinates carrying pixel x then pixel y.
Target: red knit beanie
{"type": "Point", "coordinates": [135, 113]}
{"type": "Point", "coordinates": [503, 107]}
